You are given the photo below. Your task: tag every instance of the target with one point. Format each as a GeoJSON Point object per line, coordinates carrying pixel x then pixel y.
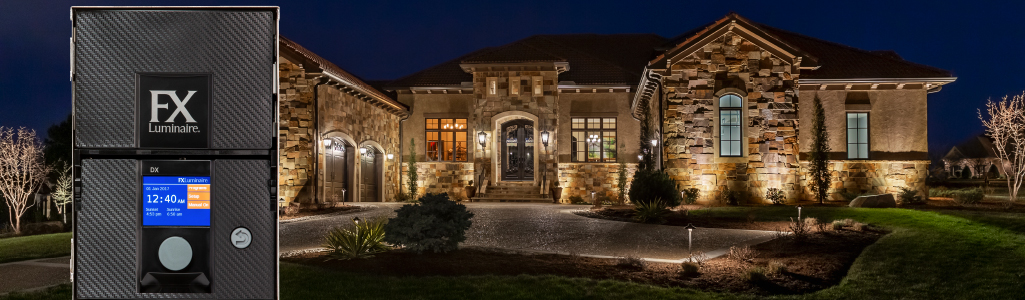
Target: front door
{"type": "Point", "coordinates": [518, 150]}
{"type": "Point", "coordinates": [368, 176]}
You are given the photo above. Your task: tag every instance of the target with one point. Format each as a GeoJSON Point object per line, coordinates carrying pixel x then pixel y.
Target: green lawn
{"type": "Point", "coordinates": [35, 246]}
{"type": "Point", "coordinates": [928, 255]}
{"type": "Point", "coordinates": [60, 292]}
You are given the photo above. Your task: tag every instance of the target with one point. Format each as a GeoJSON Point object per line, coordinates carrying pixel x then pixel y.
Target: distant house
{"type": "Point", "coordinates": [973, 158]}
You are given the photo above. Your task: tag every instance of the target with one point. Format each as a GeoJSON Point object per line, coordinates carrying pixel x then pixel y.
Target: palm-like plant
{"type": "Point", "coordinates": [364, 241]}
{"type": "Point", "coordinates": [651, 211]}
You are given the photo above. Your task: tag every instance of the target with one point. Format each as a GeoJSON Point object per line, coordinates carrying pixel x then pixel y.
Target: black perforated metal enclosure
{"type": "Point", "coordinates": [236, 49]}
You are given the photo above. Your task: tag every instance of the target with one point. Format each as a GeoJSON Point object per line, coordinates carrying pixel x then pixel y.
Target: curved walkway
{"type": "Point", "coordinates": [546, 228]}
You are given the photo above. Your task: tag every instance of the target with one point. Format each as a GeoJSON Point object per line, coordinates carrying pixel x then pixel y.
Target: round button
{"type": "Point", "coordinates": [175, 253]}
{"type": "Point", "coordinates": [241, 238]}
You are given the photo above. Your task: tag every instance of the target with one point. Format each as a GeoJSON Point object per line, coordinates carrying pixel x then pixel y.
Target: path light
{"type": "Point", "coordinates": [482, 138]}
{"type": "Point", "coordinates": [798, 212]}
{"type": "Point", "coordinates": [690, 232]}
{"type": "Point", "coordinates": [356, 220]}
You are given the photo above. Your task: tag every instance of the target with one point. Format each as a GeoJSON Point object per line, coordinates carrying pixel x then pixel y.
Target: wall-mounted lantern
{"type": "Point", "coordinates": [482, 138]}
{"type": "Point", "coordinates": [654, 143]}
{"type": "Point", "coordinates": [391, 156]}
{"type": "Point", "coordinates": [327, 143]}
{"type": "Point", "coordinates": [544, 138]}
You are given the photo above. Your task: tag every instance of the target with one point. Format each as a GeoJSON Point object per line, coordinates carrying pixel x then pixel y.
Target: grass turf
{"type": "Point", "coordinates": [60, 292]}
{"type": "Point", "coordinates": [35, 246]}
{"type": "Point", "coordinates": [928, 255]}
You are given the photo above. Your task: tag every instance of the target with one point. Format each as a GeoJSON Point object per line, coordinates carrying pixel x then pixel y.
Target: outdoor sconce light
{"type": "Point", "coordinates": [654, 142]}
{"type": "Point", "coordinates": [362, 150]}
{"type": "Point", "coordinates": [544, 138]}
{"type": "Point", "coordinates": [798, 212]}
{"type": "Point", "coordinates": [327, 143]}
{"type": "Point", "coordinates": [391, 156]}
{"type": "Point", "coordinates": [690, 232]}
{"type": "Point", "coordinates": [640, 157]}
{"type": "Point", "coordinates": [482, 138]}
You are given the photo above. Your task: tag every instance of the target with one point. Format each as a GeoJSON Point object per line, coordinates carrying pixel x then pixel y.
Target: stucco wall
{"type": "Point", "coordinates": [617, 104]}
{"type": "Point", "coordinates": [898, 122]}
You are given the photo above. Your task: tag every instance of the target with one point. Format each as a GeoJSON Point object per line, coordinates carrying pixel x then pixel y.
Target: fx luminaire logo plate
{"type": "Point", "coordinates": [174, 111]}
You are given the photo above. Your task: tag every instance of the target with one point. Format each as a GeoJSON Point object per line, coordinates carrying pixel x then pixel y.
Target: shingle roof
{"type": "Point", "coordinates": [978, 146]}
{"type": "Point", "coordinates": [593, 59]}
{"type": "Point", "coordinates": [841, 61]}
{"type": "Point", "coordinates": [348, 79]}
{"type": "Point", "coordinates": [621, 58]}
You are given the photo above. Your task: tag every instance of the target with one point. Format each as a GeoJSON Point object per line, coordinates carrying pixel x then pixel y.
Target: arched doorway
{"type": "Point", "coordinates": [338, 158]}
{"type": "Point", "coordinates": [517, 145]}
{"type": "Point", "coordinates": [371, 170]}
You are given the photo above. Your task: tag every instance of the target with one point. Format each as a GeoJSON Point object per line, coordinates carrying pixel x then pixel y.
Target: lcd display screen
{"type": "Point", "coordinates": [175, 201]}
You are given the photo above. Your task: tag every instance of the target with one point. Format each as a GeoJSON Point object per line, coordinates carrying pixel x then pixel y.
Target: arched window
{"type": "Point", "coordinates": [730, 120]}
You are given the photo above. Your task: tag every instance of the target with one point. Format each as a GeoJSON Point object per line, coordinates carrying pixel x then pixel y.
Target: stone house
{"type": "Point", "coordinates": [726, 102]}
{"type": "Point", "coordinates": [974, 157]}
{"type": "Point", "coordinates": [338, 137]}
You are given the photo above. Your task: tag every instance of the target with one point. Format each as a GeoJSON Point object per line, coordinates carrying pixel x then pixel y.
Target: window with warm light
{"type": "Point", "coordinates": [730, 120]}
{"type": "Point", "coordinates": [514, 85]}
{"type": "Point", "coordinates": [446, 139]}
{"type": "Point", "coordinates": [857, 135]}
{"type": "Point", "coordinates": [538, 88]}
{"type": "Point", "coordinates": [602, 130]}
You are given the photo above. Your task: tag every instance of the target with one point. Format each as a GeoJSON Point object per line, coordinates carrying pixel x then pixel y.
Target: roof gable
{"type": "Point", "coordinates": [695, 40]}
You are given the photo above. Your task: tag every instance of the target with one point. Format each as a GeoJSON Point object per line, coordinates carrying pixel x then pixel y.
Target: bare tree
{"type": "Point", "coordinates": [22, 170]}
{"type": "Point", "coordinates": [62, 191]}
{"type": "Point", "coordinates": [1005, 124]}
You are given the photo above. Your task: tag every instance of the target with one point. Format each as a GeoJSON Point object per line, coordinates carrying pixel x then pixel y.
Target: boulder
{"type": "Point", "coordinates": [875, 201]}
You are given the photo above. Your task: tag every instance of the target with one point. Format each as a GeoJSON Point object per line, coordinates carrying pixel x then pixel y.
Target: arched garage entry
{"type": "Point", "coordinates": [371, 179]}
{"type": "Point", "coordinates": [339, 166]}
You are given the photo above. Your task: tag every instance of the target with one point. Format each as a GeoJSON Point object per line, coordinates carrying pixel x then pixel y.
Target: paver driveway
{"type": "Point", "coordinates": [545, 228]}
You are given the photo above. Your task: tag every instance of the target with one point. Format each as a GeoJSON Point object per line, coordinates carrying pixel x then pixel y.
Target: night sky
{"type": "Point", "coordinates": [983, 45]}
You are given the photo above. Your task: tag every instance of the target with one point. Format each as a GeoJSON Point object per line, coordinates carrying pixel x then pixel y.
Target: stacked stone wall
{"type": "Point", "coordinates": [580, 179]}
{"type": "Point", "coordinates": [870, 177]}
{"type": "Point", "coordinates": [295, 131]}
{"type": "Point", "coordinates": [441, 177]}
{"type": "Point", "coordinates": [732, 64]}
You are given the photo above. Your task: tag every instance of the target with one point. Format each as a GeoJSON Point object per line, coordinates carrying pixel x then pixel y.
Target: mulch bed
{"type": "Point", "coordinates": [818, 262]}
{"type": "Point", "coordinates": [307, 213]}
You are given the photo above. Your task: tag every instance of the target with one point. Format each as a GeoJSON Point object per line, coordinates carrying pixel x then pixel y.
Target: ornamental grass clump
{"type": "Point", "coordinates": [742, 254]}
{"type": "Point", "coordinates": [436, 224]}
{"type": "Point", "coordinates": [631, 262]}
{"type": "Point", "coordinates": [968, 197]}
{"type": "Point", "coordinates": [690, 269]}
{"type": "Point", "coordinates": [651, 211]}
{"type": "Point", "coordinates": [365, 240]}
{"type": "Point", "coordinates": [755, 275]}
{"type": "Point", "coordinates": [776, 267]}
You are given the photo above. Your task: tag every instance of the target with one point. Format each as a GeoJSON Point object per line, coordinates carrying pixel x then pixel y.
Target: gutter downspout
{"type": "Point", "coordinates": [410, 113]}
{"type": "Point", "coordinates": [656, 80]}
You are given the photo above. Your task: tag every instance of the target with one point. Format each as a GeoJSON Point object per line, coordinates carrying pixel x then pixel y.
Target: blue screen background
{"type": "Point", "coordinates": [165, 198]}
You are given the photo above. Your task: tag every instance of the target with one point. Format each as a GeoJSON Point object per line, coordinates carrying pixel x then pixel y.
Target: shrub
{"type": "Point", "coordinates": [690, 269]}
{"type": "Point", "coordinates": [777, 196]}
{"type": "Point", "coordinates": [941, 191]}
{"type": "Point", "coordinates": [838, 225]}
{"type": "Point", "coordinates": [810, 223]}
{"type": "Point", "coordinates": [621, 182]}
{"type": "Point", "coordinates": [741, 253]}
{"type": "Point", "coordinates": [649, 185]}
{"type": "Point", "coordinates": [631, 262]}
{"type": "Point", "coordinates": [729, 196]}
{"type": "Point", "coordinates": [363, 241]}
{"type": "Point", "coordinates": [436, 224]}
{"type": "Point", "coordinates": [970, 196]}
{"type": "Point", "coordinates": [858, 226]}
{"type": "Point", "coordinates": [776, 267]}
{"type": "Point", "coordinates": [698, 257]}
{"type": "Point", "coordinates": [577, 200]}
{"type": "Point", "coordinates": [909, 196]}
{"type": "Point", "coordinates": [402, 197]}
{"type": "Point", "coordinates": [755, 275]}
{"type": "Point", "coordinates": [651, 211]}
{"type": "Point", "coordinates": [691, 195]}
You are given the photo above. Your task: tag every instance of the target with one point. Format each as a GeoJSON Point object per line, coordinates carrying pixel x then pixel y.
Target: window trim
{"type": "Point", "coordinates": [718, 125]}
{"type": "Point", "coordinates": [868, 134]}
{"type": "Point", "coordinates": [441, 142]}
{"type": "Point", "coordinates": [600, 131]}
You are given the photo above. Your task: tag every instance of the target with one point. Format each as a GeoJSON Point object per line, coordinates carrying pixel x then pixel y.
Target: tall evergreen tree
{"type": "Point", "coordinates": [818, 165]}
{"type": "Point", "coordinates": [412, 170]}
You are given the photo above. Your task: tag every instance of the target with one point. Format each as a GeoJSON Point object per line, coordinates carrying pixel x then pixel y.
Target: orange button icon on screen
{"type": "Point", "coordinates": [199, 205]}
{"type": "Point", "coordinates": [199, 196]}
{"type": "Point", "coordinates": [199, 187]}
